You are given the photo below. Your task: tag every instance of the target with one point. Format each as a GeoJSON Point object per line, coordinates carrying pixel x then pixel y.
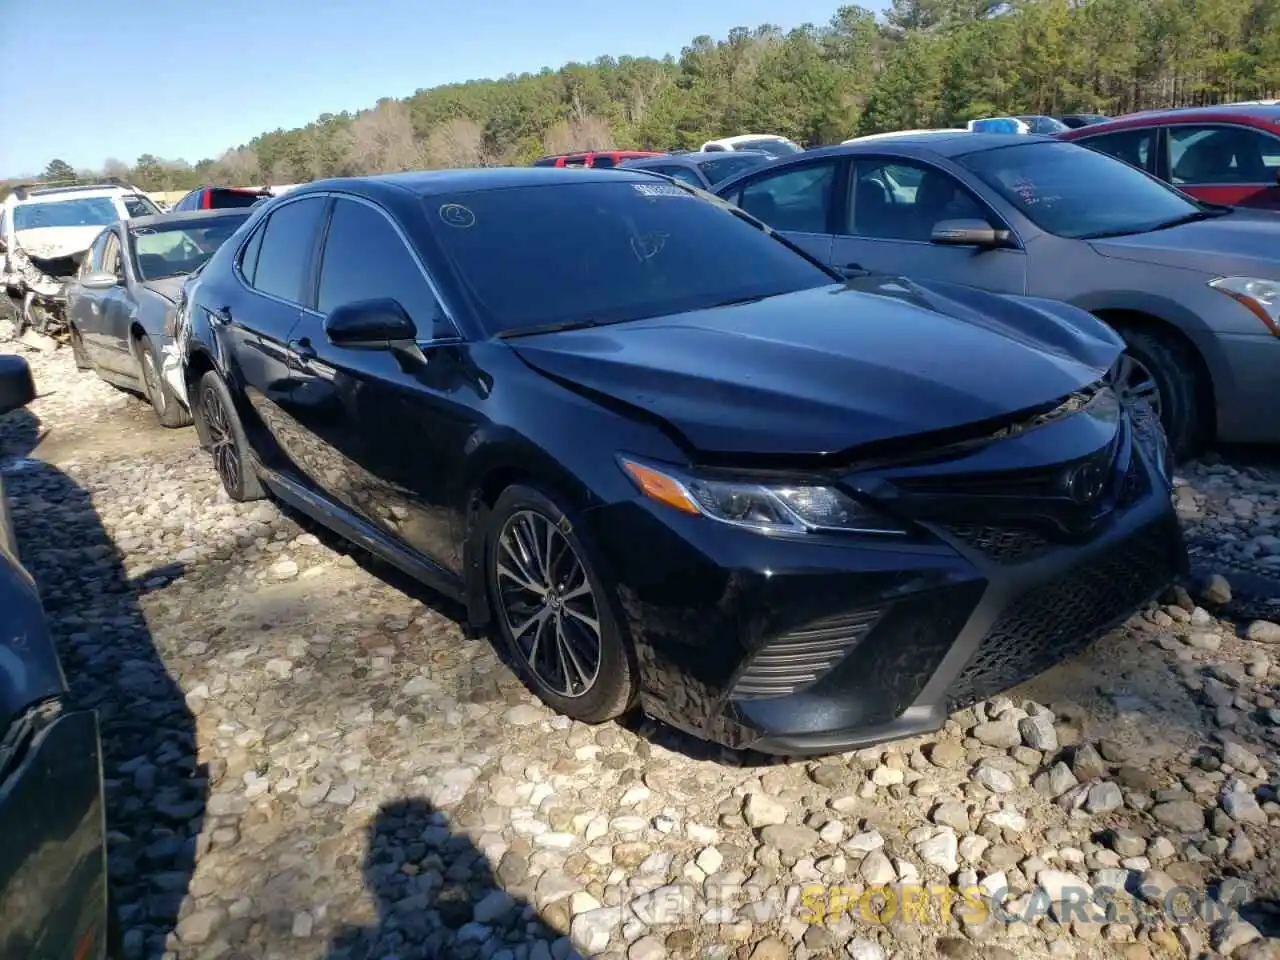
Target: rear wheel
{"type": "Point", "coordinates": [554, 611]}
{"type": "Point", "coordinates": [226, 440]}
{"type": "Point", "coordinates": [1161, 369]}
{"type": "Point", "coordinates": [169, 409]}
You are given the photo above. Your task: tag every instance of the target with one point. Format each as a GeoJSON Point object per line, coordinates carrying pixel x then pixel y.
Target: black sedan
{"type": "Point", "coordinates": [128, 284]}
{"type": "Point", "coordinates": [676, 462]}
{"type": "Point", "coordinates": [53, 858]}
{"type": "Point", "coordinates": [703, 170]}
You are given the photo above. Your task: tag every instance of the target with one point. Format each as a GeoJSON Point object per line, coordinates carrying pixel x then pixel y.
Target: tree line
{"type": "Point", "coordinates": [922, 63]}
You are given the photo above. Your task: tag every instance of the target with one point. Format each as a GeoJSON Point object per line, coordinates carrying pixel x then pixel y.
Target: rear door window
{"type": "Point", "coordinates": [1134, 147]}
{"type": "Point", "coordinates": [286, 246]}
{"type": "Point", "coordinates": [231, 199]}
{"type": "Point", "coordinates": [1222, 155]}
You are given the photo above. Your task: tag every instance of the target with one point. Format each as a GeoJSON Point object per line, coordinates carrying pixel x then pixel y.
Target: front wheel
{"type": "Point", "coordinates": [169, 409]}
{"type": "Point", "coordinates": [554, 611]}
{"type": "Point", "coordinates": [1164, 372]}
{"type": "Point", "coordinates": [226, 440]}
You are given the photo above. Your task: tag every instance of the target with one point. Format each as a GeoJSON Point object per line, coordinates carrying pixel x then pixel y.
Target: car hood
{"type": "Point", "coordinates": [49, 243]}
{"type": "Point", "coordinates": [827, 370]}
{"type": "Point", "coordinates": [167, 287]}
{"type": "Point", "coordinates": [1238, 244]}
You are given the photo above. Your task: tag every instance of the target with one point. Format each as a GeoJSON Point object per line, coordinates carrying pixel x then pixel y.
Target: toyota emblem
{"type": "Point", "coordinates": [1085, 483]}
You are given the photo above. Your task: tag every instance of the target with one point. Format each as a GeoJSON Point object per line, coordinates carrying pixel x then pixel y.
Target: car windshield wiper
{"type": "Point", "coordinates": [1193, 217]}
{"type": "Point", "coordinates": [550, 328]}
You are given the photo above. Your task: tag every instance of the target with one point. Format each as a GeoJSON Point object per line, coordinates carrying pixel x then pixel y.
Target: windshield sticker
{"type": "Point", "coordinates": [143, 231]}
{"type": "Point", "coordinates": [456, 215]}
{"type": "Point", "coordinates": [660, 190]}
{"type": "Point", "coordinates": [646, 246]}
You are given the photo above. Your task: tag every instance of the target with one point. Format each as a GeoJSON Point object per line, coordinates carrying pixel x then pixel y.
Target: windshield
{"type": "Point", "coordinates": [722, 168]}
{"type": "Point", "coordinates": [173, 250]}
{"type": "Point", "coordinates": [607, 252]}
{"type": "Point", "coordinates": [776, 148]}
{"type": "Point", "coordinates": [1076, 192]}
{"type": "Point", "coordinates": [77, 212]}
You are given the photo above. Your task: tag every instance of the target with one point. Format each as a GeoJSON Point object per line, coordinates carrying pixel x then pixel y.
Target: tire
{"type": "Point", "coordinates": [1175, 370]}
{"type": "Point", "coordinates": [612, 688]}
{"type": "Point", "coordinates": [227, 444]}
{"type": "Point", "coordinates": [169, 409]}
{"type": "Point", "coordinates": [78, 352]}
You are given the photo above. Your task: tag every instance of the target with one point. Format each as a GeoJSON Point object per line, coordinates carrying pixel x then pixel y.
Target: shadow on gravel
{"type": "Point", "coordinates": [155, 789]}
{"type": "Point", "coordinates": [436, 895]}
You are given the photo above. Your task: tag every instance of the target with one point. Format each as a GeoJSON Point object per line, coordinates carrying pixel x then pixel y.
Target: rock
{"type": "Point", "coordinates": [1103, 798]}
{"type": "Point", "coordinates": [999, 733]}
{"type": "Point", "coordinates": [993, 778]}
{"type": "Point", "coordinates": [1059, 885]}
{"type": "Point", "coordinates": [946, 753]}
{"type": "Point", "coordinates": [1185, 816]}
{"type": "Point", "coordinates": [1086, 763]}
{"type": "Point", "coordinates": [876, 869]}
{"type": "Point", "coordinates": [761, 810]}
{"type": "Point", "coordinates": [1038, 733]}
{"type": "Point", "coordinates": [647, 948]}
{"type": "Point", "coordinates": [790, 840]}
{"type": "Point", "coordinates": [1263, 631]}
{"type": "Point", "coordinates": [1228, 936]}
{"type": "Point", "coordinates": [771, 948]}
{"type": "Point", "coordinates": [941, 850]}
{"type": "Point", "coordinates": [591, 931]}
{"type": "Point", "coordinates": [1243, 808]}
{"type": "Point", "coordinates": [199, 926]}
{"type": "Point", "coordinates": [1055, 781]}
{"type": "Point", "coordinates": [1238, 756]}
{"type": "Point", "coordinates": [1216, 590]}
{"type": "Point", "coordinates": [863, 948]}
{"type": "Point", "coordinates": [525, 715]}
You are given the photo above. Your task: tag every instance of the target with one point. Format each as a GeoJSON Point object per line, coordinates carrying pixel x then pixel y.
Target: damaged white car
{"type": "Point", "coordinates": [44, 233]}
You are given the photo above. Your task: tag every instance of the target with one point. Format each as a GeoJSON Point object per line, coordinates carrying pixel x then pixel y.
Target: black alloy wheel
{"type": "Point", "coordinates": [553, 610]}
{"type": "Point", "coordinates": [225, 439]}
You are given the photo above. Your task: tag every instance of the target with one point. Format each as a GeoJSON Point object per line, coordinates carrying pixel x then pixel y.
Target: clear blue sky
{"type": "Point", "coordinates": [189, 78]}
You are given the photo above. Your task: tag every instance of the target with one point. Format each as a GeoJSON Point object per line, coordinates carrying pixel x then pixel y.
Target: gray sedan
{"type": "Point", "coordinates": [1194, 289]}
{"type": "Point", "coordinates": [702, 170]}
{"type": "Point", "coordinates": [128, 283]}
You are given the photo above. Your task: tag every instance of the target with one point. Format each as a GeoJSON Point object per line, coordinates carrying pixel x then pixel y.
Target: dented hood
{"type": "Point", "coordinates": [49, 243]}
{"type": "Point", "coordinates": [827, 370]}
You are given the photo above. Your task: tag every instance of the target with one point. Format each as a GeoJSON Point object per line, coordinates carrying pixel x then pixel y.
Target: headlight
{"type": "Point", "coordinates": [1260, 296]}
{"type": "Point", "coordinates": [763, 507]}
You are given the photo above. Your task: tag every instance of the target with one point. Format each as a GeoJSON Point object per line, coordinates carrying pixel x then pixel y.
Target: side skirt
{"type": "Point", "coordinates": [344, 523]}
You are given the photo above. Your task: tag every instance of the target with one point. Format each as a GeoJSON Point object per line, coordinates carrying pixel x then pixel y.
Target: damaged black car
{"type": "Point", "coordinates": [675, 463]}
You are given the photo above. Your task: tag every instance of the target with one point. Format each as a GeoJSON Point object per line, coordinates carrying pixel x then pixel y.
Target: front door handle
{"type": "Point", "coordinates": [853, 270]}
{"type": "Point", "coordinates": [302, 349]}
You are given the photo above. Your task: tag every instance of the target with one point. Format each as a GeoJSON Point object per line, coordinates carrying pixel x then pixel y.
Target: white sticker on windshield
{"type": "Point", "coordinates": [143, 231]}
{"type": "Point", "coordinates": [660, 190]}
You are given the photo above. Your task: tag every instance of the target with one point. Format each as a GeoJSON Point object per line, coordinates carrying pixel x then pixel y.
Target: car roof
{"type": "Point", "coordinates": [184, 216]}
{"type": "Point", "coordinates": [430, 183]}
{"type": "Point", "coordinates": [693, 159]}
{"type": "Point", "coordinates": [1263, 114]}
{"type": "Point", "coordinates": [943, 144]}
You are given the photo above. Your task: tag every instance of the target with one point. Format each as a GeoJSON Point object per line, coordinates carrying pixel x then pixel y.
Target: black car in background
{"type": "Point", "coordinates": [676, 462]}
{"type": "Point", "coordinates": [53, 857]}
{"type": "Point", "coordinates": [703, 170]}
{"type": "Point", "coordinates": [120, 302]}
{"type": "Point", "coordinates": [1074, 121]}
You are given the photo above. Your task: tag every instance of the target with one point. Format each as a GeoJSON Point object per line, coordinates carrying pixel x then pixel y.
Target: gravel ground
{"type": "Point", "coordinates": [305, 757]}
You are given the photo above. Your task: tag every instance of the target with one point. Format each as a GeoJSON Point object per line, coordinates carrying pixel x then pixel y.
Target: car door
{"type": "Point", "coordinates": [254, 322]}
{"type": "Point", "coordinates": [893, 204]}
{"type": "Point", "coordinates": [799, 201]}
{"type": "Point", "coordinates": [84, 304]}
{"type": "Point", "coordinates": [1136, 146]}
{"type": "Point", "coordinates": [1224, 163]}
{"type": "Point", "coordinates": [116, 309]}
{"type": "Point", "coordinates": [387, 428]}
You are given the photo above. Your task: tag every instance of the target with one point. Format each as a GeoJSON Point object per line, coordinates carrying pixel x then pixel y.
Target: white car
{"type": "Point", "coordinates": [769, 143]}
{"type": "Point", "coordinates": [903, 133]}
{"type": "Point", "coordinates": [45, 230]}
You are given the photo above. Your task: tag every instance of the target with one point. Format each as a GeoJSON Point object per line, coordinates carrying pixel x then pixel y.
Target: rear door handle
{"type": "Point", "coordinates": [302, 349]}
{"type": "Point", "coordinates": [853, 270]}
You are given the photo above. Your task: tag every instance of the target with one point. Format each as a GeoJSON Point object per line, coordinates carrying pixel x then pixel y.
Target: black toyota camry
{"type": "Point", "coordinates": [674, 462]}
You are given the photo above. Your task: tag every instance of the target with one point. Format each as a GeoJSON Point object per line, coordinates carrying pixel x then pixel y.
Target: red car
{"type": "Point", "coordinates": [1228, 154]}
{"type": "Point", "coordinates": [594, 158]}
{"type": "Point", "coordinates": [220, 198]}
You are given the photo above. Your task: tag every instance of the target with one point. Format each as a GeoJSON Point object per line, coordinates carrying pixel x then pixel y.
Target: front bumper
{"type": "Point", "coordinates": [823, 644]}
{"type": "Point", "coordinates": [53, 876]}
{"type": "Point", "coordinates": [1247, 401]}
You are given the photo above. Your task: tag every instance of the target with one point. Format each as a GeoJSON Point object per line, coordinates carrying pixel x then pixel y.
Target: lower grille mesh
{"type": "Point", "coordinates": [1053, 622]}
{"type": "Point", "coordinates": [1001, 544]}
{"type": "Point", "coordinates": [797, 658]}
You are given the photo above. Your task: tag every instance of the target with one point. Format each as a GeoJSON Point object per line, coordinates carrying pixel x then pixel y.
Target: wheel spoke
{"type": "Point", "coordinates": [583, 618]}
{"type": "Point", "coordinates": [569, 658]}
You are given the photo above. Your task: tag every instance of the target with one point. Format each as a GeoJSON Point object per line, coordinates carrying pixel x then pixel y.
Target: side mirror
{"type": "Point", "coordinates": [968, 233]}
{"type": "Point", "coordinates": [17, 389]}
{"type": "Point", "coordinates": [369, 325]}
{"type": "Point", "coordinates": [100, 281]}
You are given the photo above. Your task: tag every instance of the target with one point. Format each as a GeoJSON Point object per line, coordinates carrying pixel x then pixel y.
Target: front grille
{"type": "Point", "coordinates": [797, 658]}
{"type": "Point", "coordinates": [1001, 544]}
{"type": "Point", "coordinates": [1052, 622]}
